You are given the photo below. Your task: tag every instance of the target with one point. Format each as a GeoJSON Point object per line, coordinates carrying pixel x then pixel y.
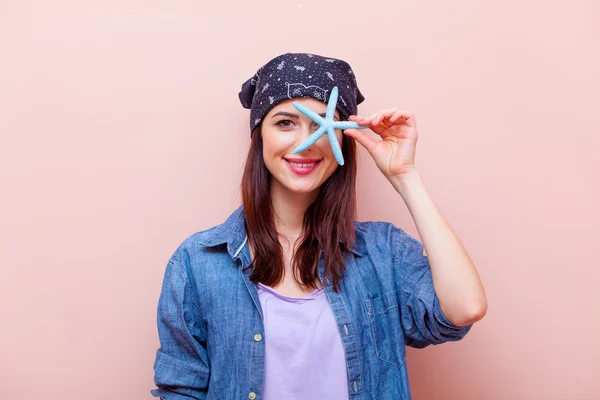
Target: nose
{"type": "Point", "coordinates": [305, 131]}
{"type": "Point", "coordinates": [308, 129]}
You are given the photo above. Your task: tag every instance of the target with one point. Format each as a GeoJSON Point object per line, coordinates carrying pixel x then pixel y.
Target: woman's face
{"type": "Point", "coordinates": [283, 129]}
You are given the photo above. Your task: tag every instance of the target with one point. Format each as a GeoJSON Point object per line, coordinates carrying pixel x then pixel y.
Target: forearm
{"type": "Point", "coordinates": [455, 278]}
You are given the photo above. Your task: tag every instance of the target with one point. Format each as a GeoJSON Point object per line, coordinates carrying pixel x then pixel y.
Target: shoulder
{"type": "Point", "coordinates": [373, 227]}
{"type": "Point", "coordinates": [229, 233]}
{"type": "Point", "coordinates": [383, 236]}
{"type": "Point", "coordinates": [378, 231]}
{"type": "Point", "coordinates": [197, 249]}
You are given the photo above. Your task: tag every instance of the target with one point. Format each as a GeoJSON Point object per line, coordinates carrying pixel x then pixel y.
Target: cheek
{"type": "Point", "coordinates": [270, 145]}
{"type": "Point", "coordinates": [270, 158]}
{"type": "Point", "coordinates": [275, 146]}
{"type": "Point", "coordinates": [277, 142]}
{"type": "Point", "coordinates": [331, 168]}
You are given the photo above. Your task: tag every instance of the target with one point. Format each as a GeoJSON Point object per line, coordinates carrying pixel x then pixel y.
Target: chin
{"type": "Point", "coordinates": [302, 189]}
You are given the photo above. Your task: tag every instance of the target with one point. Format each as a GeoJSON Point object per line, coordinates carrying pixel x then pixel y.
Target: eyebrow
{"type": "Point", "coordinates": [292, 115]}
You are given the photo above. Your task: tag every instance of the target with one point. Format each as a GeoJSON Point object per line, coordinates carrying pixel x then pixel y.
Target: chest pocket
{"type": "Point", "coordinates": [386, 327]}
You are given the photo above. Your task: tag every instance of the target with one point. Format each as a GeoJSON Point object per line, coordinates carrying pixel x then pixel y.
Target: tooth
{"type": "Point", "coordinates": [302, 165]}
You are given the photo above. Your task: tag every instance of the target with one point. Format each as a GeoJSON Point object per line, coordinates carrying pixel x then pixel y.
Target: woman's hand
{"type": "Point", "coordinates": [395, 154]}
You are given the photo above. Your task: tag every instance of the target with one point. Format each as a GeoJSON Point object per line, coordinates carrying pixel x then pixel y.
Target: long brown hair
{"type": "Point", "coordinates": [328, 222]}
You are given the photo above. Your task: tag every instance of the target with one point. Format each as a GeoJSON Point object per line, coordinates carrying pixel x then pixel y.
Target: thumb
{"type": "Point", "coordinates": [361, 138]}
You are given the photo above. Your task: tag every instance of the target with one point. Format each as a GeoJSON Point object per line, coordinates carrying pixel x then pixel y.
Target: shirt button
{"type": "Point", "coordinates": [257, 337]}
{"type": "Point", "coordinates": [252, 396]}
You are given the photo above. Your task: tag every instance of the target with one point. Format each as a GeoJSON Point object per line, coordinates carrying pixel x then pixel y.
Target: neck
{"type": "Point", "coordinates": [289, 208]}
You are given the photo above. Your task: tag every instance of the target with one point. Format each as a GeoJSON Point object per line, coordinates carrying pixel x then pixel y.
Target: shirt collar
{"type": "Point", "coordinates": [233, 232]}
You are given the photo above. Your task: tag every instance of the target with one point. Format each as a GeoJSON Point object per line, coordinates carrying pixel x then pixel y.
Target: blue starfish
{"type": "Point", "coordinates": [328, 125]}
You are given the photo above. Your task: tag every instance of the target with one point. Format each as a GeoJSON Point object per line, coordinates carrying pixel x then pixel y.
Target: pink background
{"type": "Point", "coordinates": [122, 134]}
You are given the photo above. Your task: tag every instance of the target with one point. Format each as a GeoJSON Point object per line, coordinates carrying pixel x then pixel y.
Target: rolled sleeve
{"type": "Point", "coordinates": [181, 367]}
{"type": "Point", "coordinates": [423, 320]}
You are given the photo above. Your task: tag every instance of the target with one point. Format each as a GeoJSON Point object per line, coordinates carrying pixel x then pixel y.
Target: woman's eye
{"type": "Point", "coordinates": [284, 123]}
{"type": "Point", "coordinates": [287, 123]}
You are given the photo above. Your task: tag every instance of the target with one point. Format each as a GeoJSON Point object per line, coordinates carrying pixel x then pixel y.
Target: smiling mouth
{"type": "Point", "coordinates": [303, 164]}
{"type": "Point", "coordinates": [303, 167]}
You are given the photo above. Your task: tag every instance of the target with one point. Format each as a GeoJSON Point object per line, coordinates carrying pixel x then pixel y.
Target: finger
{"type": "Point", "coordinates": [382, 115]}
{"type": "Point", "coordinates": [390, 116]}
{"type": "Point", "coordinates": [359, 120]}
{"type": "Point", "coordinates": [375, 123]}
{"type": "Point", "coordinates": [368, 119]}
{"type": "Point", "coordinates": [386, 114]}
{"type": "Point", "coordinates": [365, 121]}
{"type": "Point", "coordinates": [361, 138]}
{"type": "Point", "coordinates": [403, 117]}
{"type": "Point", "coordinates": [387, 118]}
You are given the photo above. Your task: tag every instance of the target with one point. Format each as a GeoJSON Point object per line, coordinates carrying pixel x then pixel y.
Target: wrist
{"type": "Point", "coordinates": [403, 182]}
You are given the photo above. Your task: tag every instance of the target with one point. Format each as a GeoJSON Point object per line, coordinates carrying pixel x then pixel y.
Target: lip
{"type": "Point", "coordinates": [302, 170]}
{"type": "Point", "coordinates": [302, 160]}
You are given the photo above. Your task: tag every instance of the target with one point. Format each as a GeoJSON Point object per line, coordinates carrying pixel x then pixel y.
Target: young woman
{"type": "Point", "coordinates": [291, 297]}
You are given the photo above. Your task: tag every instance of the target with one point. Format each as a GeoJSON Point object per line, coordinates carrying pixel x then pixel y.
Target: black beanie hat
{"type": "Point", "coordinates": [293, 75]}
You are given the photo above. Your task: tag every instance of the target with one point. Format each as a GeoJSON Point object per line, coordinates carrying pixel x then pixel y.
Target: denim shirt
{"type": "Point", "coordinates": [210, 321]}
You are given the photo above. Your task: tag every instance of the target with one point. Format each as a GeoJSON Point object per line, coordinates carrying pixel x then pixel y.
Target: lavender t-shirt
{"type": "Point", "coordinates": [304, 357]}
